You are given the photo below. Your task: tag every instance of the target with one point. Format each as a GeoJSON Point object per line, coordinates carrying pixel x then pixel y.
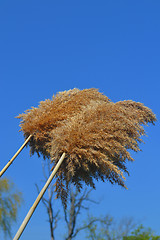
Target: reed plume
{"type": "Point", "coordinates": [94, 132]}
{"type": "Point", "coordinates": [50, 114]}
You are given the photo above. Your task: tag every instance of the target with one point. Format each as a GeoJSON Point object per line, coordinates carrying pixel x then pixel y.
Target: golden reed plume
{"type": "Point", "coordinates": [94, 133]}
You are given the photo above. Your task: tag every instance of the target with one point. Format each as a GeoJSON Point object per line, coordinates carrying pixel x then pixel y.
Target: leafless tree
{"type": "Point", "coordinates": [76, 203]}
{"type": "Point", "coordinates": [53, 216]}
{"type": "Point", "coordinates": [98, 228]}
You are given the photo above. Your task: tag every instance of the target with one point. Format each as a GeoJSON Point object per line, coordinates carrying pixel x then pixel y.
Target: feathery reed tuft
{"type": "Point", "coordinates": [51, 113]}
{"type": "Point", "coordinates": [94, 132]}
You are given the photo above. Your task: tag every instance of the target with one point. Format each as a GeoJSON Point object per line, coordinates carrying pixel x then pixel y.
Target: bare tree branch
{"type": "Point", "coordinates": [53, 217]}
{"type": "Point", "coordinates": [75, 205]}
{"type": "Point", "coordinates": [85, 226]}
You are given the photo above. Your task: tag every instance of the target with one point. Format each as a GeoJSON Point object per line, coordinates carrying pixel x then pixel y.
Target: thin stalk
{"type": "Point", "coordinates": [16, 154]}
{"type": "Point", "coordinates": [32, 209]}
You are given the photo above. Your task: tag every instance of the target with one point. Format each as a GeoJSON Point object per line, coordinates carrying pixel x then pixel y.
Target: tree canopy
{"type": "Point", "coordinates": [142, 233]}
{"type": "Point", "coordinates": [10, 201]}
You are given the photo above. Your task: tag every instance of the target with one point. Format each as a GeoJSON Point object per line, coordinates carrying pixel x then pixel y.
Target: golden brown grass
{"type": "Point", "coordinates": [94, 132]}
{"type": "Point", "coordinates": [50, 114]}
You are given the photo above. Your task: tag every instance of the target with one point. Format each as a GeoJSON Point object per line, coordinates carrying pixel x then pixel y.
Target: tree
{"type": "Point", "coordinates": [142, 233]}
{"type": "Point", "coordinates": [109, 229]}
{"type": "Point", "coordinates": [10, 201]}
{"type": "Point", "coordinates": [125, 229]}
{"type": "Point", "coordinates": [53, 216]}
{"type": "Point", "coordinates": [93, 231]}
{"type": "Point", "coordinates": [71, 210]}
{"type": "Point", "coordinates": [101, 228]}
{"type": "Point", "coordinates": [75, 205]}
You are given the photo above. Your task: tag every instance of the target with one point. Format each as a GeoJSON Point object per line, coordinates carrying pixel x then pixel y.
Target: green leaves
{"type": "Point", "coordinates": [142, 233]}
{"type": "Point", "coordinates": [126, 229]}
{"type": "Point", "coordinates": [10, 201]}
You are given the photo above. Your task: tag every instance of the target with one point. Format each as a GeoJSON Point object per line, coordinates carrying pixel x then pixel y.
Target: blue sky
{"type": "Point", "coordinates": [51, 46]}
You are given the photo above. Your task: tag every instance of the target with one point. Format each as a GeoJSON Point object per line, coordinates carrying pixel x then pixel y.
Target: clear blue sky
{"type": "Point", "coordinates": [51, 46]}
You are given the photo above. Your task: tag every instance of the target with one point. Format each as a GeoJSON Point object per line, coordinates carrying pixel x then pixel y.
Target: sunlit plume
{"type": "Point", "coordinates": [94, 132]}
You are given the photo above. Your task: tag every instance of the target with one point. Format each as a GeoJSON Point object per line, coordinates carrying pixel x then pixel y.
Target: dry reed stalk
{"type": "Point", "coordinates": [16, 154]}
{"type": "Point", "coordinates": [33, 208]}
{"type": "Point", "coordinates": [94, 132]}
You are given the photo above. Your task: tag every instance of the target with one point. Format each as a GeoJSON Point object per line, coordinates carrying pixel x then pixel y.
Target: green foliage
{"type": "Point", "coordinates": [10, 200]}
{"type": "Point", "coordinates": [142, 233]}
{"type": "Point", "coordinates": [97, 233]}
{"type": "Point", "coordinates": [107, 229]}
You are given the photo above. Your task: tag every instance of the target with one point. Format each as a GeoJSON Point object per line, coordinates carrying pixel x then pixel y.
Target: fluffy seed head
{"type": "Point", "coordinates": [50, 114]}
{"type": "Point", "coordinates": [94, 132]}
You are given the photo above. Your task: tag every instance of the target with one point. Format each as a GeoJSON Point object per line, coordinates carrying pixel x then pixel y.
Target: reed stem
{"type": "Point", "coordinates": [32, 209]}
{"type": "Point", "coordinates": [16, 154]}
